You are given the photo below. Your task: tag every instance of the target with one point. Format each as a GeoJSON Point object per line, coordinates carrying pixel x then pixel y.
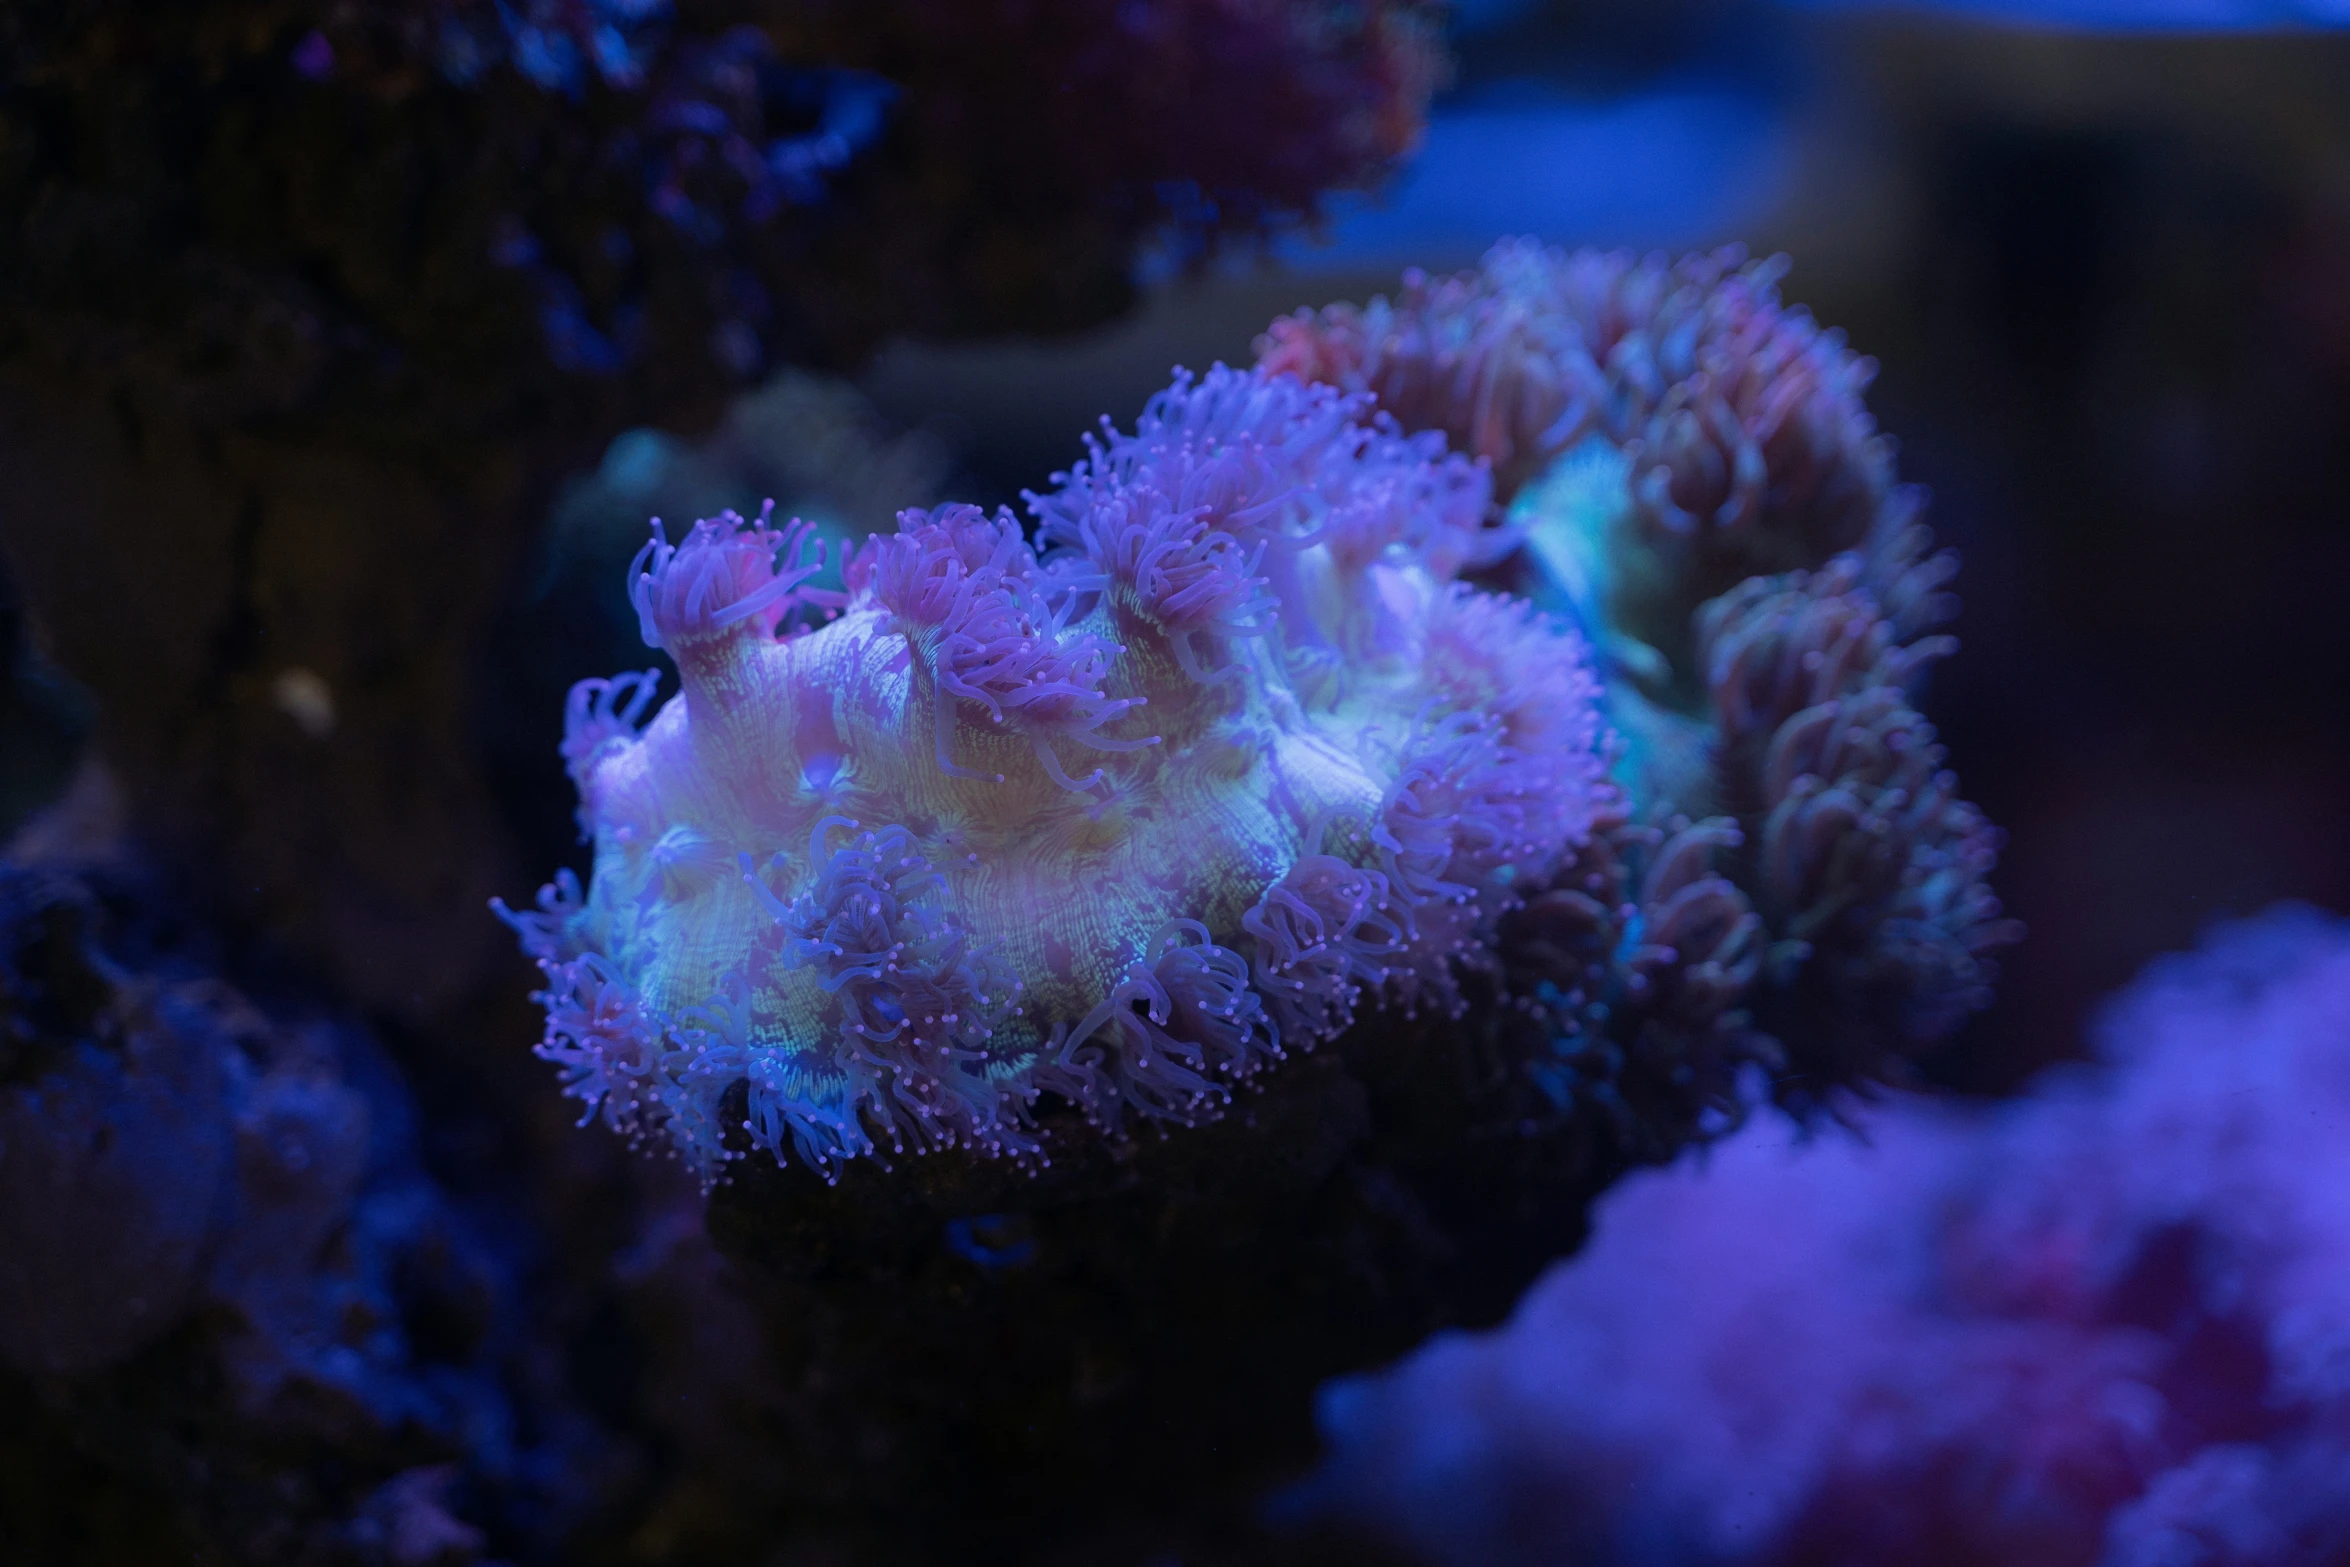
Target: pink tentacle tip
{"type": "Point", "coordinates": [728, 572]}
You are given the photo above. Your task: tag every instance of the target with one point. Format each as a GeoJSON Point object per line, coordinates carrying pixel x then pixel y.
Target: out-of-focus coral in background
{"type": "Point", "coordinates": [2101, 1324]}
{"type": "Point", "coordinates": [226, 1256]}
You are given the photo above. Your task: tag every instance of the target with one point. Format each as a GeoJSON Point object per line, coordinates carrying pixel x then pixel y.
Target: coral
{"type": "Point", "coordinates": [857, 869]}
{"type": "Point", "coordinates": [226, 1280]}
{"type": "Point", "coordinates": [2098, 1325]}
{"type": "Point", "coordinates": [1722, 431]}
{"type": "Point", "coordinates": [1791, 880]}
{"type": "Point", "coordinates": [1630, 975]}
{"type": "Point", "coordinates": [1868, 871]}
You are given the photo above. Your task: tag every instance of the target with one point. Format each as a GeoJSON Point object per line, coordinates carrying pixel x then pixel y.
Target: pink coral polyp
{"type": "Point", "coordinates": [724, 574]}
{"type": "Point", "coordinates": [849, 899]}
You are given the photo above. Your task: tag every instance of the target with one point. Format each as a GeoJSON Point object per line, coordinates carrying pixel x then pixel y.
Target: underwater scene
{"type": "Point", "coordinates": [1175, 783]}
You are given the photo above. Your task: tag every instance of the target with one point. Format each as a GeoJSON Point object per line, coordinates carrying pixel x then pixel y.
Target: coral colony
{"type": "Point", "coordinates": [2099, 1324]}
{"type": "Point", "coordinates": [1122, 817]}
{"type": "Point", "coordinates": [1119, 815]}
{"type": "Point", "coordinates": [196, 1193]}
{"type": "Point", "coordinates": [1791, 879]}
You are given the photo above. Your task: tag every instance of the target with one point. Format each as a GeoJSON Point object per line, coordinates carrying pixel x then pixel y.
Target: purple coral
{"type": "Point", "coordinates": [1742, 412]}
{"type": "Point", "coordinates": [849, 869]}
{"type": "Point", "coordinates": [913, 1003]}
{"type": "Point", "coordinates": [220, 1254]}
{"type": "Point", "coordinates": [1665, 428]}
{"type": "Point", "coordinates": [1696, 481]}
{"type": "Point", "coordinates": [1167, 564]}
{"type": "Point", "coordinates": [966, 593]}
{"type": "Point", "coordinates": [1185, 1023]}
{"type": "Point", "coordinates": [724, 572]}
{"type": "Point", "coordinates": [1326, 935]}
{"type": "Point", "coordinates": [2101, 1325]}
{"type": "Point", "coordinates": [1867, 865]}
{"type": "Point", "coordinates": [1316, 484]}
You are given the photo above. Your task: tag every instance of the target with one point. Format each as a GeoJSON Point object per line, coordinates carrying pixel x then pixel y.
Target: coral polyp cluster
{"type": "Point", "coordinates": [1790, 878]}
{"type": "Point", "coordinates": [1115, 820]}
{"type": "Point", "coordinates": [1727, 428]}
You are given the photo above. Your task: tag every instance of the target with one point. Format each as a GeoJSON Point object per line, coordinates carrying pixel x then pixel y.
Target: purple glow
{"type": "Point", "coordinates": [2102, 1324]}
{"type": "Point", "coordinates": [314, 57]}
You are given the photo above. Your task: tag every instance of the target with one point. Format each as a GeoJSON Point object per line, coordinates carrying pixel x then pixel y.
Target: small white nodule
{"type": "Point", "coordinates": [304, 696]}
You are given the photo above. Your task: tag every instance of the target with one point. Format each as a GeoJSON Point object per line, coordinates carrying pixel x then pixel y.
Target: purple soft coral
{"type": "Point", "coordinates": [2103, 1325]}
{"type": "Point", "coordinates": [1792, 879]}
{"type": "Point", "coordinates": [1740, 410]}
{"type": "Point", "coordinates": [854, 868]}
{"type": "Point", "coordinates": [1663, 429]}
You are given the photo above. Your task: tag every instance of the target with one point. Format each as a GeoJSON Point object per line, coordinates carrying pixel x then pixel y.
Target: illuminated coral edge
{"type": "Point", "coordinates": [1187, 1026]}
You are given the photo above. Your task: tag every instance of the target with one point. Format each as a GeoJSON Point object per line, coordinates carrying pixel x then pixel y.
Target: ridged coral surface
{"type": "Point", "coordinates": [1117, 820]}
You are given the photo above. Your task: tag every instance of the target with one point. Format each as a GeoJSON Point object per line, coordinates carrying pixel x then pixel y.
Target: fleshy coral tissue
{"type": "Point", "coordinates": [1279, 716]}
{"type": "Point", "coordinates": [1122, 817]}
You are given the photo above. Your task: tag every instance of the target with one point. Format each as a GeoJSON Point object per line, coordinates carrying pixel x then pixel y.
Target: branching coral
{"type": "Point", "coordinates": [1792, 879]}
{"type": "Point", "coordinates": [858, 868]}
{"type": "Point", "coordinates": [2098, 1325]}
